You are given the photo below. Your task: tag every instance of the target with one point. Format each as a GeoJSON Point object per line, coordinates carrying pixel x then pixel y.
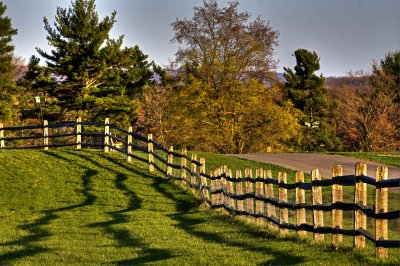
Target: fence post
{"type": "Point", "coordinates": [46, 135]}
{"type": "Point", "coordinates": [260, 194]}
{"type": "Point", "coordinates": [337, 214]}
{"type": "Point", "coordinates": [300, 199]}
{"type": "Point", "coordinates": [78, 133]}
{"type": "Point", "coordinates": [129, 145]}
{"type": "Point", "coordinates": [106, 134]}
{"type": "Point", "coordinates": [193, 169]}
{"type": "Point", "coordinates": [269, 193]}
{"type": "Point", "coordinates": [381, 205]}
{"type": "Point", "coordinates": [239, 191]}
{"type": "Point", "coordinates": [183, 166]}
{"type": "Point", "coordinates": [213, 188]}
{"type": "Point", "coordinates": [2, 142]}
{"type": "Point", "coordinates": [283, 198]}
{"type": "Point", "coordinates": [360, 198]}
{"type": "Point", "coordinates": [249, 191]}
{"type": "Point", "coordinates": [203, 180]}
{"type": "Point", "coordinates": [170, 160]}
{"type": "Point", "coordinates": [230, 190]}
{"type": "Point", "coordinates": [223, 188]}
{"type": "Point", "coordinates": [220, 181]}
{"type": "Point", "coordinates": [318, 215]}
{"type": "Point", "coordinates": [216, 199]}
{"type": "Point", "coordinates": [150, 151]}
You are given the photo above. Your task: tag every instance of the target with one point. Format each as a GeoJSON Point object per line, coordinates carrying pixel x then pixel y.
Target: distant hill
{"type": "Point", "coordinates": [330, 82]}
{"type": "Point", "coordinates": [352, 82]}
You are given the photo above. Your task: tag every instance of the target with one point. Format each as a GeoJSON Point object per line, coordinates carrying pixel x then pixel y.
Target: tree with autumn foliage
{"type": "Point", "coordinates": [222, 102]}
{"type": "Point", "coordinates": [370, 114]}
{"type": "Point", "coordinates": [246, 119]}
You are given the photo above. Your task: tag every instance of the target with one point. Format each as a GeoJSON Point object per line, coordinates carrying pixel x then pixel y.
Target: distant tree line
{"type": "Point", "coordinates": [220, 94]}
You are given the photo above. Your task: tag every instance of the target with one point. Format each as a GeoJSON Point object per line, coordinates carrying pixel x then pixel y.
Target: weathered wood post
{"type": "Point", "coordinates": [216, 195]}
{"type": "Point", "coordinates": [212, 189]}
{"type": "Point", "coordinates": [231, 191]}
{"type": "Point", "coordinates": [269, 193]}
{"type": "Point", "coordinates": [78, 133]}
{"type": "Point", "coordinates": [129, 145]}
{"type": "Point", "coordinates": [170, 160]}
{"type": "Point", "coordinates": [381, 205]}
{"type": "Point", "coordinates": [2, 142]}
{"type": "Point", "coordinates": [220, 187]}
{"type": "Point", "coordinates": [360, 198]}
{"type": "Point", "coordinates": [337, 215]}
{"type": "Point", "coordinates": [46, 135]}
{"type": "Point", "coordinates": [106, 134]}
{"type": "Point", "coordinates": [183, 166]}
{"type": "Point", "coordinates": [249, 191]}
{"type": "Point", "coordinates": [317, 200]}
{"type": "Point", "coordinates": [150, 151]}
{"type": "Point", "coordinates": [239, 191]}
{"type": "Point", "coordinates": [260, 195]}
{"type": "Point", "coordinates": [203, 180]}
{"type": "Point", "coordinates": [193, 170]}
{"type": "Point", "coordinates": [300, 199]}
{"type": "Point", "coordinates": [283, 198]}
{"type": "Point", "coordinates": [263, 194]}
{"type": "Point", "coordinates": [224, 189]}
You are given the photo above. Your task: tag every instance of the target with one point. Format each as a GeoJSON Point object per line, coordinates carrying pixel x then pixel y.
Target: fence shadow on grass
{"type": "Point", "coordinates": [29, 243]}
{"type": "Point", "coordinates": [37, 231]}
{"type": "Point", "coordinates": [183, 202]}
{"type": "Point", "coordinates": [187, 221]}
{"type": "Point", "coordinates": [124, 237]}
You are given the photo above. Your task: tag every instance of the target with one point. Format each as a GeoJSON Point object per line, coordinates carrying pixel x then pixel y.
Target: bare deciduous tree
{"type": "Point", "coordinates": [369, 120]}
{"type": "Point", "coordinates": [152, 113]}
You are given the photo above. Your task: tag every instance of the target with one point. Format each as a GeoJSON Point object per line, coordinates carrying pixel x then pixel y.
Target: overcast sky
{"type": "Point", "coordinates": [346, 34]}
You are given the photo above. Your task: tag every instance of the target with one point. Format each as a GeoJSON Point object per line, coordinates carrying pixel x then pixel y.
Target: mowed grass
{"type": "Point", "coordinates": [388, 158]}
{"type": "Point", "coordinates": [89, 208]}
{"type": "Point", "coordinates": [217, 160]}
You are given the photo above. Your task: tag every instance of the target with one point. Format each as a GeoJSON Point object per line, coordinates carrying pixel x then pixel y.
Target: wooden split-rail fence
{"type": "Point", "coordinates": [252, 197]}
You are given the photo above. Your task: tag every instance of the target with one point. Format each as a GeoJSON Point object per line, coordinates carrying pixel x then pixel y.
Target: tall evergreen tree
{"type": "Point", "coordinates": [308, 94]}
{"type": "Point", "coordinates": [385, 77]}
{"type": "Point", "coordinates": [95, 75]}
{"type": "Point", "coordinates": [38, 81]}
{"type": "Point", "coordinates": [6, 64]}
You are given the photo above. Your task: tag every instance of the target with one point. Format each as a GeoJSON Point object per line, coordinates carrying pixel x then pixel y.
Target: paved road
{"type": "Point", "coordinates": [307, 161]}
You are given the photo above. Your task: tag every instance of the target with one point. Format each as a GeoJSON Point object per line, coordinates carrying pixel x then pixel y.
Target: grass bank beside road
{"type": "Point", "coordinates": [68, 207]}
{"type": "Point", "coordinates": [387, 158]}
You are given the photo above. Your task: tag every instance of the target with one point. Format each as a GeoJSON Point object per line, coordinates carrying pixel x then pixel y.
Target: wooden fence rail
{"type": "Point", "coordinates": [248, 196]}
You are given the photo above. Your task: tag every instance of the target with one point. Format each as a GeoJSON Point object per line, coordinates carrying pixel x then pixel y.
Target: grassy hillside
{"type": "Point", "coordinates": [89, 208]}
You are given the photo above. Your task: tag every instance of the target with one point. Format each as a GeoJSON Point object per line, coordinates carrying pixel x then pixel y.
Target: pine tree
{"type": "Point", "coordinates": [385, 77]}
{"type": "Point", "coordinates": [95, 76]}
{"type": "Point", "coordinates": [38, 82]}
{"type": "Point", "coordinates": [6, 64]}
{"type": "Point", "coordinates": [308, 94]}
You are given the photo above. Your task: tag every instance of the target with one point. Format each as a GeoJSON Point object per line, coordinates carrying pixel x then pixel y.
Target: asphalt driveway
{"type": "Point", "coordinates": [324, 162]}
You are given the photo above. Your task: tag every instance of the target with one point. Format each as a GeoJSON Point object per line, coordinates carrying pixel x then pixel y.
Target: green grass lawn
{"type": "Point", "coordinates": [89, 208]}
{"type": "Point", "coordinates": [388, 158]}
